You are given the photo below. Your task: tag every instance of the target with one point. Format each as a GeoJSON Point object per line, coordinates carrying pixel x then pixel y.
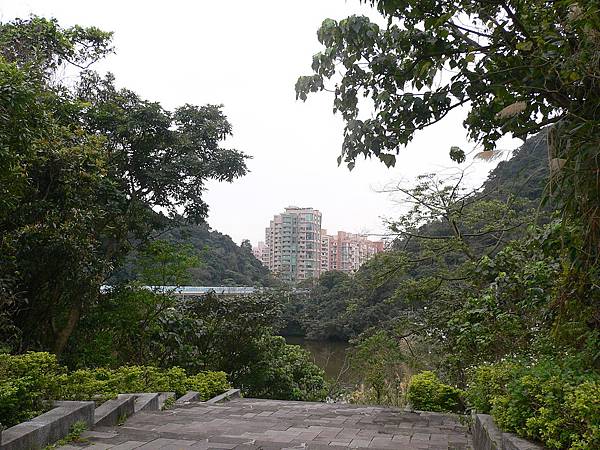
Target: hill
{"type": "Point", "coordinates": [224, 263]}
{"type": "Point", "coordinates": [525, 174]}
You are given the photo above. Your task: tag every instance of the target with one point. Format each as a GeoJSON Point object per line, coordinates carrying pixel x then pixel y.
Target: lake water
{"type": "Point", "coordinates": [328, 355]}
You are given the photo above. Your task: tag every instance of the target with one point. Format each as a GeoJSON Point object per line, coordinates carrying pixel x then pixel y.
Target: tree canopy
{"type": "Point", "coordinates": [517, 66]}
{"type": "Point", "coordinates": [84, 168]}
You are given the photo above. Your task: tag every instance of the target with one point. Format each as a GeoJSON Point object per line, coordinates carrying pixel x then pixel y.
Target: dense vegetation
{"type": "Point", "coordinates": [90, 177]}
{"type": "Point", "coordinates": [31, 381]}
{"type": "Point", "coordinates": [221, 261]}
{"type": "Point", "coordinates": [340, 307]}
{"type": "Point", "coordinates": [490, 295]}
{"type": "Point", "coordinates": [493, 293]}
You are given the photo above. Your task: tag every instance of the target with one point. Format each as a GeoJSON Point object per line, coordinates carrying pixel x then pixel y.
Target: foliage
{"type": "Point", "coordinates": [427, 256]}
{"type": "Point", "coordinates": [83, 168]}
{"type": "Point", "coordinates": [487, 381]}
{"type": "Point", "coordinates": [163, 263]}
{"type": "Point", "coordinates": [122, 327]}
{"type": "Point", "coordinates": [284, 372]}
{"type": "Point", "coordinates": [27, 384]}
{"type": "Point", "coordinates": [379, 362]}
{"type": "Point", "coordinates": [30, 383]}
{"type": "Point", "coordinates": [518, 66]}
{"type": "Point", "coordinates": [208, 384]}
{"type": "Point", "coordinates": [426, 392]}
{"type": "Point", "coordinates": [551, 400]}
{"type": "Point", "coordinates": [44, 46]}
{"type": "Point", "coordinates": [222, 261]}
{"type": "Point", "coordinates": [131, 324]}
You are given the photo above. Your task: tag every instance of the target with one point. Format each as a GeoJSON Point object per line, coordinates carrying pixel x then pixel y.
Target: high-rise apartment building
{"type": "Point", "coordinates": [326, 244]}
{"type": "Point", "coordinates": [349, 251]}
{"type": "Point", "coordinates": [294, 241]}
{"type": "Point", "coordinates": [296, 248]}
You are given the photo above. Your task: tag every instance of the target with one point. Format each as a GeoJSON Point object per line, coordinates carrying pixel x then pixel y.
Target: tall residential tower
{"type": "Point", "coordinates": [296, 248]}
{"type": "Point", "coordinates": [294, 242]}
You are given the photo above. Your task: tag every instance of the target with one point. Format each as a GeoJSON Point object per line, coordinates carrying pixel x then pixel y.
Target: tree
{"type": "Point", "coordinates": [160, 159]}
{"type": "Point", "coordinates": [518, 66]}
{"type": "Point", "coordinates": [86, 170]}
{"type": "Point", "coordinates": [380, 363]}
{"type": "Point", "coordinates": [162, 263]}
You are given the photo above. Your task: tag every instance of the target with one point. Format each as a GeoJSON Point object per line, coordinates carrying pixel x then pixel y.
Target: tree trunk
{"type": "Point", "coordinates": [63, 335]}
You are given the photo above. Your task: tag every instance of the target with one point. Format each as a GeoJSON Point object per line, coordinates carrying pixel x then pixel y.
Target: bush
{"type": "Point", "coordinates": [486, 382]}
{"type": "Point", "coordinates": [28, 383]}
{"type": "Point", "coordinates": [427, 393]}
{"type": "Point", "coordinates": [283, 372]}
{"type": "Point", "coordinates": [553, 403]}
{"type": "Point", "coordinates": [208, 384]}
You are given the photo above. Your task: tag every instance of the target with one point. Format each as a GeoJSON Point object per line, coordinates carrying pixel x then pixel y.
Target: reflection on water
{"type": "Point", "coordinates": [328, 355]}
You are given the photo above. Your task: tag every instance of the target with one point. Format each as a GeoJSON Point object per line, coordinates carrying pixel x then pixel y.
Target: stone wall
{"type": "Point", "coordinates": [487, 436]}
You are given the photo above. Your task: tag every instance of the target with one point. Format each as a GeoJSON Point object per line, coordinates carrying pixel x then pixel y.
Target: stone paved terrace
{"type": "Point", "coordinates": [270, 424]}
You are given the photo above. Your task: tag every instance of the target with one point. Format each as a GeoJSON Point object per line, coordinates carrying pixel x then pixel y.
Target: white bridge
{"type": "Point", "coordinates": [199, 291]}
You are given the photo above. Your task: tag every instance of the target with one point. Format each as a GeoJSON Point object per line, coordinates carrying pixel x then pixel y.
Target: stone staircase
{"type": "Point", "coordinates": [272, 424]}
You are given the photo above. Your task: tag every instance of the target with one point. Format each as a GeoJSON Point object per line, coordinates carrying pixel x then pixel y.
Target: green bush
{"type": "Point", "coordinates": [208, 384]}
{"type": "Point", "coordinates": [486, 382]}
{"type": "Point", "coordinates": [283, 372]}
{"type": "Point", "coordinates": [427, 393]}
{"type": "Point", "coordinates": [552, 403]}
{"type": "Point", "coordinates": [29, 382]}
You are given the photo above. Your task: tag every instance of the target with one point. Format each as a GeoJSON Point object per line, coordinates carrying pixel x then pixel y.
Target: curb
{"type": "Point", "coordinates": [146, 402]}
{"type": "Point", "coordinates": [231, 393]}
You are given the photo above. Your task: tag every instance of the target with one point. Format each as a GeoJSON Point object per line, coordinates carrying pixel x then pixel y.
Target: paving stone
{"type": "Point", "coordinates": [128, 445]}
{"type": "Point", "coordinates": [246, 424]}
{"type": "Point", "coordinates": [359, 443]}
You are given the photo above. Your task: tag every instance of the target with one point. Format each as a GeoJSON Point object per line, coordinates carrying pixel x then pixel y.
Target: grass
{"type": "Point", "coordinates": [74, 436]}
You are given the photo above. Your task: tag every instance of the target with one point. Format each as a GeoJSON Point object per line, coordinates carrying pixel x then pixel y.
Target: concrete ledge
{"type": "Point", "coordinates": [189, 396]}
{"type": "Point", "coordinates": [231, 393]}
{"type": "Point", "coordinates": [146, 402]}
{"type": "Point", "coordinates": [486, 436]}
{"type": "Point", "coordinates": [48, 427]}
{"type": "Point", "coordinates": [112, 411]}
{"type": "Point", "coordinates": [512, 442]}
{"type": "Point", "coordinates": [162, 398]}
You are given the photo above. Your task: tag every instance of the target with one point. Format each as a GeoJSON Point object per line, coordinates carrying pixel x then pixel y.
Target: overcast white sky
{"type": "Point", "coordinates": [247, 55]}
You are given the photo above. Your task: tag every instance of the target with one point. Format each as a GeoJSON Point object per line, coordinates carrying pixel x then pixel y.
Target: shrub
{"type": "Point", "coordinates": [486, 382]}
{"type": "Point", "coordinates": [553, 403]}
{"type": "Point", "coordinates": [29, 382]}
{"type": "Point", "coordinates": [427, 393]}
{"type": "Point", "coordinates": [208, 384]}
{"type": "Point", "coordinates": [283, 372]}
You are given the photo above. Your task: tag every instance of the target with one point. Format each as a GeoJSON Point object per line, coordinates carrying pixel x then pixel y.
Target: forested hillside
{"type": "Point", "coordinates": [525, 174]}
{"type": "Point", "coordinates": [220, 261]}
